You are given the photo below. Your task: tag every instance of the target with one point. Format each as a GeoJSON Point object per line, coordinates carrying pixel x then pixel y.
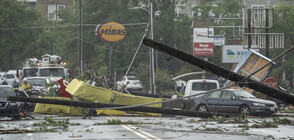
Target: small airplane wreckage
{"type": "Point", "coordinates": [86, 96]}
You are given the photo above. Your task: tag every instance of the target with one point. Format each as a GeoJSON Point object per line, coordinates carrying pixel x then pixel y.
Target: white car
{"type": "Point", "coordinates": [39, 83]}
{"type": "Point", "coordinates": [130, 82]}
{"type": "Point", "coordinates": [9, 78]}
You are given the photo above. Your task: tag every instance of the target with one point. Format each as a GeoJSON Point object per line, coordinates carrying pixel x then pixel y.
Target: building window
{"type": "Point", "coordinates": [180, 11]}
{"type": "Point", "coordinates": [59, 7]}
{"type": "Point", "coordinates": [268, 2]}
{"type": "Point", "coordinates": [52, 11]}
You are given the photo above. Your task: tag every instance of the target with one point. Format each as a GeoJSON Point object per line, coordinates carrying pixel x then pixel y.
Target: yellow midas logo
{"type": "Point", "coordinates": [112, 32]}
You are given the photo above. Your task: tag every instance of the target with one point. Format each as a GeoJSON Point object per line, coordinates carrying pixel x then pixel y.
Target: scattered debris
{"type": "Point", "coordinates": [117, 122]}
{"type": "Point", "coordinates": [16, 131]}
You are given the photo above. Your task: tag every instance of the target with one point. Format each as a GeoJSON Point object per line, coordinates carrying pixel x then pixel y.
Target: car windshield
{"type": "Point", "coordinates": [132, 78]}
{"type": "Point", "coordinates": [199, 86]}
{"type": "Point", "coordinates": [6, 91]}
{"type": "Point", "coordinates": [243, 94]}
{"type": "Point", "coordinates": [9, 76]}
{"type": "Point", "coordinates": [49, 72]}
{"type": "Point", "coordinates": [37, 82]}
{"type": "Point", "coordinates": [31, 72]}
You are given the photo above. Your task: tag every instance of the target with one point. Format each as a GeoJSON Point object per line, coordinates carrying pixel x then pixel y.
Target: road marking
{"type": "Point", "coordinates": [148, 134]}
{"type": "Point", "coordinates": [137, 133]}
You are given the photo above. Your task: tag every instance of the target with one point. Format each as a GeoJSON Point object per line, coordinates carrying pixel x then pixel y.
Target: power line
{"type": "Point", "coordinates": [73, 25]}
{"type": "Point", "coordinates": [63, 26]}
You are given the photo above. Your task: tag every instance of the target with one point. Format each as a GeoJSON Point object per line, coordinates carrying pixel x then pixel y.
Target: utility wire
{"type": "Point", "coordinates": [136, 51]}
{"type": "Point", "coordinates": [62, 26]}
{"type": "Point", "coordinates": [89, 25]}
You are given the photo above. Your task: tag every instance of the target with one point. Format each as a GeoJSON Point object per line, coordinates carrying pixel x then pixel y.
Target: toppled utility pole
{"type": "Point", "coordinates": [88, 104]}
{"type": "Point", "coordinates": [220, 71]}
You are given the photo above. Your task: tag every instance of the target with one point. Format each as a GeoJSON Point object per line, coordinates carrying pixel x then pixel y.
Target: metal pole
{"type": "Point", "coordinates": [110, 67]}
{"type": "Point", "coordinates": [80, 38]}
{"type": "Point", "coordinates": [249, 29]}
{"type": "Point", "coordinates": [220, 71]}
{"type": "Point", "coordinates": [152, 78]}
{"type": "Point", "coordinates": [267, 35]}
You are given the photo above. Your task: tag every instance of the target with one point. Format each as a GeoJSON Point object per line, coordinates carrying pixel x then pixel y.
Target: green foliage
{"type": "Point", "coordinates": [265, 124]}
{"type": "Point", "coordinates": [284, 121]}
{"type": "Point", "coordinates": [52, 90]}
{"type": "Point", "coordinates": [283, 15]}
{"type": "Point", "coordinates": [17, 41]}
{"type": "Point", "coordinates": [117, 122]}
{"type": "Point", "coordinates": [164, 80]}
{"type": "Point", "coordinates": [232, 119]}
{"type": "Point", "coordinates": [192, 121]}
{"type": "Point", "coordinates": [49, 121]}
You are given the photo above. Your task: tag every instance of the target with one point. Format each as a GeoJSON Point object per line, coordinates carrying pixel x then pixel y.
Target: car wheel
{"type": "Point", "coordinates": [244, 110]}
{"type": "Point", "coordinates": [202, 108]}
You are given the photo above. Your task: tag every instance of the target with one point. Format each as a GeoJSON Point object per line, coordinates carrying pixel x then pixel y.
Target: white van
{"type": "Point", "coordinates": [198, 86]}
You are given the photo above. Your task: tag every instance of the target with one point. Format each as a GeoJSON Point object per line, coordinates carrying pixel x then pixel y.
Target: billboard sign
{"type": "Point", "coordinates": [203, 49]}
{"type": "Point", "coordinates": [203, 45]}
{"type": "Point", "coordinates": [111, 32]}
{"type": "Point", "coordinates": [234, 53]}
{"type": "Point", "coordinates": [251, 62]}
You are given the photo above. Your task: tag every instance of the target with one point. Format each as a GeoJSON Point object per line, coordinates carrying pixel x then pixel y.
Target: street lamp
{"type": "Point", "coordinates": [152, 78]}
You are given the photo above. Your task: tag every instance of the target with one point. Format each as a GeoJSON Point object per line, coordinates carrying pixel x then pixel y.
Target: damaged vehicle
{"type": "Point", "coordinates": [7, 108]}
{"type": "Point", "coordinates": [130, 83]}
{"type": "Point", "coordinates": [234, 101]}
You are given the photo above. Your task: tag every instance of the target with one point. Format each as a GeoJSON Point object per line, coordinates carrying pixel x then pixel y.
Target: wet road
{"type": "Point", "coordinates": [135, 127]}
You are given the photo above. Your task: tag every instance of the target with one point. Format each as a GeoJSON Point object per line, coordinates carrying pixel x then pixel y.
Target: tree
{"type": "Point", "coordinates": [16, 39]}
{"type": "Point", "coordinates": [283, 15]}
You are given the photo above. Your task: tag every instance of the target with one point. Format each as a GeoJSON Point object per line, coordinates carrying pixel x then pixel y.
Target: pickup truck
{"type": "Point", "coordinates": [130, 83]}
{"type": "Point", "coordinates": [195, 87]}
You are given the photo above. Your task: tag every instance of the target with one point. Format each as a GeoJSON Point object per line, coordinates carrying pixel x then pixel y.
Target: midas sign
{"type": "Point", "coordinates": [112, 32]}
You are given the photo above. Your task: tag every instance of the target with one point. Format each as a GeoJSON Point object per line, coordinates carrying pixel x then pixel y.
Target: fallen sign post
{"type": "Point", "coordinates": [88, 104]}
{"type": "Point", "coordinates": [220, 71]}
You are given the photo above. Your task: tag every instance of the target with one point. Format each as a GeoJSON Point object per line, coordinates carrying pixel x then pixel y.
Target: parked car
{"type": "Point", "coordinates": [15, 72]}
{"type": "Point", "coordinates": [195, 87]}
{"type": "Point", "coordinates": [9, 78]}
{"type": "Point", "coordinates": [233, 101]}
{"type": "Point", "coordinates": [7, 108]}
{"type": "Point", "coordinates": [130, 82]}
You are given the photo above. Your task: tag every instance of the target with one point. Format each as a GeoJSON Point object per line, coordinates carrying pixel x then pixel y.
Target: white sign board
{"type": "Point", "coordinates": [234, 53]}
{"type": "Point", "coordinates": [219, 41]}
{"type": "Point", "coordinates": [200, 35]}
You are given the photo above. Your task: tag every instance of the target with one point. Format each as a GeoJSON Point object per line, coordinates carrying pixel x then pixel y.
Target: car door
{"type": "Point", "coordinates": [228, 102]}
{"type": "Point", "coordinates": [212, 100]}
